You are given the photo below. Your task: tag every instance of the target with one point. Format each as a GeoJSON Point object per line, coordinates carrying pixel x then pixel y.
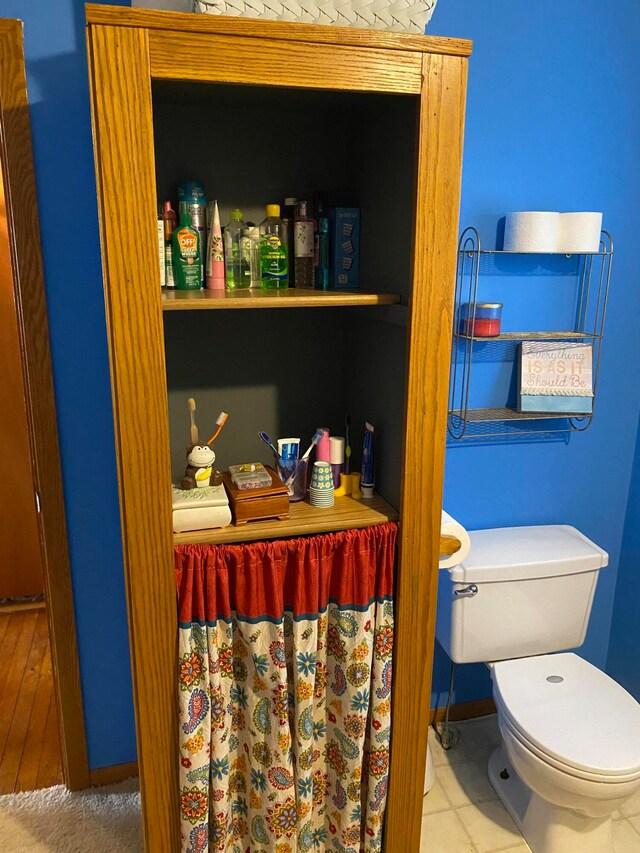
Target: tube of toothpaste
{"type": "Point", "coordinates": [367, 479]}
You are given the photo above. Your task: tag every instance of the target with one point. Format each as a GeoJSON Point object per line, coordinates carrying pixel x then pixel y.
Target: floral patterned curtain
{"type": "Point", "coordinates": [285, 692]}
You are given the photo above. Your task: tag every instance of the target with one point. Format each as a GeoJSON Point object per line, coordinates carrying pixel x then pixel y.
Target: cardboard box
{"type": "Point", "coordinates": [344, 262]}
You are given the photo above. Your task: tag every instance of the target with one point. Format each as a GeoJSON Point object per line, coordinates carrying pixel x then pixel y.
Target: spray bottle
{"type": "Point", "coordinates": [187, 259]}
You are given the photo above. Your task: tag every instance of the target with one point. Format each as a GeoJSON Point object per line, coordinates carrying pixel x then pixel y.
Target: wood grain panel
{"type": "Point", "coordinates": [345, 514]}
{"type": "Point", "coordinates": [24, 694]}
{"type": "Point", "coordinates": [27, 696]}
{"type": "Point", "coordinates": [49, 765]}
{"type": "Point", "coordinates": [36, 747]}
{"type": "Point", "coordinates": [113, 774]}
{"type": "Point", "coordinates": [20, 558]}
{"type": "Point", "coordinates": [22, 216]}
{"type": "Point", "coordinates": [252, 27]}
{"type": "Point", "coordinates": [222, 59]}
{"type": "Point", "coordinates": [429, 341]}
{"type": "Point", "coordinates": [123, 131]}
{"type": "Point", "coordinates": [198, 300]}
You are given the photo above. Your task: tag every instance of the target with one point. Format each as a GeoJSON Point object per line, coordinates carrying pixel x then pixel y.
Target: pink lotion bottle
{"type": "Point", "coordinates": [215, 254]}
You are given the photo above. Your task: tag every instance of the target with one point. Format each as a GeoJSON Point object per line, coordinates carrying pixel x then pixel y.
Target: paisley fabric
{"type": "Point", "coordinates": [285, 660]}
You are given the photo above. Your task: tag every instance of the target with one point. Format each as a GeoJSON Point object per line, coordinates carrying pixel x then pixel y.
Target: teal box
{"type": "Point", "coordinates": [344, 263]}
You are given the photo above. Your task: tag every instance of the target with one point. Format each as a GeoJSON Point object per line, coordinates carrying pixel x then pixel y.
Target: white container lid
{"type": "Point", "coordinates": [572, 712]}
{"type": "Point", "coordinates": [520, 553]}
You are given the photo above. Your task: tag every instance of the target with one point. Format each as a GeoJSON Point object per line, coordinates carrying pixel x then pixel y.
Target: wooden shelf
{"type": "Point", "coordinates": [294, 297]}
{"type": "Point", "coordinates": [304, 520]}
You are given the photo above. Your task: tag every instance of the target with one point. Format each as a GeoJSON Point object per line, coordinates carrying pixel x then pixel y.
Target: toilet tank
{"type": "Point", "coordinates": [521, 591]}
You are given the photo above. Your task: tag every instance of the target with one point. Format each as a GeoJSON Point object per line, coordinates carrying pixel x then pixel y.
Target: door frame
{"type": "Point", "coordinates": [21, 220]}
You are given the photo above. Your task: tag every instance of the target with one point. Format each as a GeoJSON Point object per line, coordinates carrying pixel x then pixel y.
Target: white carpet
{"type": "Point", "coordinates": [98, 820]}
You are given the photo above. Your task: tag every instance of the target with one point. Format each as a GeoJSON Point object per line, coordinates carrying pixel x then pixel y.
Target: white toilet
{"type": "Point", "coordinates": [570, 753]}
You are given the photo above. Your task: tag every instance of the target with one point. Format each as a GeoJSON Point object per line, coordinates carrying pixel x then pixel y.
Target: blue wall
{"type": "Point", "coordinates": [553, 123]}
{"type": "Point", "coordinates": [624, 647]}
{"type": "Point", "coordinates": [55, 51]}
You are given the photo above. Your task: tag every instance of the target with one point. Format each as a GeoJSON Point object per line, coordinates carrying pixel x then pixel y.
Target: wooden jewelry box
{"type": "Point", "coordinates": [255, 504]}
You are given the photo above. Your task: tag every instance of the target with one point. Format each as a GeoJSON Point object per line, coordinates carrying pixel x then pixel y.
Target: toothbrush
{"type": "Point", "coordinates": [191, 403]}
{"type": "Point", "coordinates": [269, 443]}
{"type": "Point", "coordinates": [347, 445]}
{"type": "Point", "coordinates": [220, 421]}
{"type": "Point", "coordinates": [316, 438]}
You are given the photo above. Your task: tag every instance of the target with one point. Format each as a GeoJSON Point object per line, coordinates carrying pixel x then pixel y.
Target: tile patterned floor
{"type": "Point", "coordinates": [462, 812]}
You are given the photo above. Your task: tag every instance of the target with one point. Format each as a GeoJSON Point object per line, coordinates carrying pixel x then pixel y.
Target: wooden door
{"type": "Point", "coordinates": [128, 50]}
{"type": "Point", "coordinates": [20, 560]}
{"type": "Point", "coordinates": [21, 270]}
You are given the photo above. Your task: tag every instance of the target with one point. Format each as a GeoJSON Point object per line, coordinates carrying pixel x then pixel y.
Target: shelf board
{"type": "Point", "coordinates": [304, 520]}
{"type": "Point", "coordinates": [346, 513]}
{"type": "Point", "coordinates": [294, 297]}
{"type": "Point", "coordinates": [478, 416]}
{"type": "Point", "coordinates": [531, 336]}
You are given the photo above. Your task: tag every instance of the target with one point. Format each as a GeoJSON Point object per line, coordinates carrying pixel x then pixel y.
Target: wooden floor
{"type": "Point", "coordinates": [29, 740]}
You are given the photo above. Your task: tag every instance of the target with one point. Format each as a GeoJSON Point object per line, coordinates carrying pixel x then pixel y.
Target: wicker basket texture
{"type": "Point", "coordinates": [395, 15]}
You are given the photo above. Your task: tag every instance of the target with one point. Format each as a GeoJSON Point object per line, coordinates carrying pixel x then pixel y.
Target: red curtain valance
{"type": "Point", "coordinates": [259, 579]}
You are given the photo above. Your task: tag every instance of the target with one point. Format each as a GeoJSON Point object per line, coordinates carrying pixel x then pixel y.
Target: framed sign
{"type": "Point", "coordinates": [556, 378]}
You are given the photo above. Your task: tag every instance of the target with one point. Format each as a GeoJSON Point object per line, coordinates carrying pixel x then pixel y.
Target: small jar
{"type": "Point", "coordinates": [482, 320]}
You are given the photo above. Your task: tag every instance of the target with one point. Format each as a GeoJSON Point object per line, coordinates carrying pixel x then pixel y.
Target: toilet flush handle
{"type": "Point", "coordinates": [466, 591]}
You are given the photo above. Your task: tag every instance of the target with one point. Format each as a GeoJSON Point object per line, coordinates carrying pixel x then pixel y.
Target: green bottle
{"type": "Point", "coordinates": [187, 256]}
{"type": "Point", "coordinates": [274, 258]}
{"type": "Point", "coordinates": [236, 253]}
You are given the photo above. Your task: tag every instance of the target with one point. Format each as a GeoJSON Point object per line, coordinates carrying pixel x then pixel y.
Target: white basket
{"type": "Point", "coordinates": [396, 15]}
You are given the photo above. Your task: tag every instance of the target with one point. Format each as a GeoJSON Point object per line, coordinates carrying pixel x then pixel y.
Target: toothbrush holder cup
{"type": "Point", "coordinates": [298, 486]}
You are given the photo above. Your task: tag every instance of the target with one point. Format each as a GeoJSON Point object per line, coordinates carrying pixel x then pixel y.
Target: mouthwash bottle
{"type": "Point", "coordinates": [187, 257]}
{"type": "Point", "coordinates": [274, 260]}
{"type": "Point", "coordinates": [236, 255]}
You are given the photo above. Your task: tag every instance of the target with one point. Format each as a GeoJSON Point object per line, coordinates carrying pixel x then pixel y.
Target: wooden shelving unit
{"type": "Point", "coordinates": [199, 300]}
{"type": "Point", "coordinates": [419, 83]}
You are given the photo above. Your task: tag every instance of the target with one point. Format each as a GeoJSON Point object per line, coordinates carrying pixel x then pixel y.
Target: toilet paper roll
{"type": "Point", "coordinates": [579, 232]}
{"type": "Point", "coordinates": [450, 527]}
{"type": "Point", "coordinates": [531, 231]}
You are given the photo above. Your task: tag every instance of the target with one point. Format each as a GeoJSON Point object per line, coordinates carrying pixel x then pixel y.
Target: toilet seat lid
{"type": "Point", "coordinates": [571, 711]}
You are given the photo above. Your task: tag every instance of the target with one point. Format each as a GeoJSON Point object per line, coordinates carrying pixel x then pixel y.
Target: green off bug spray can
{"type": "Point", "coordinates": [187, 256]}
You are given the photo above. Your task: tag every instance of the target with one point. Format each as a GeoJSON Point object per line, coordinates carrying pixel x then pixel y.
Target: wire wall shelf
{"type": "Point", "coordinates": [593, 274]}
